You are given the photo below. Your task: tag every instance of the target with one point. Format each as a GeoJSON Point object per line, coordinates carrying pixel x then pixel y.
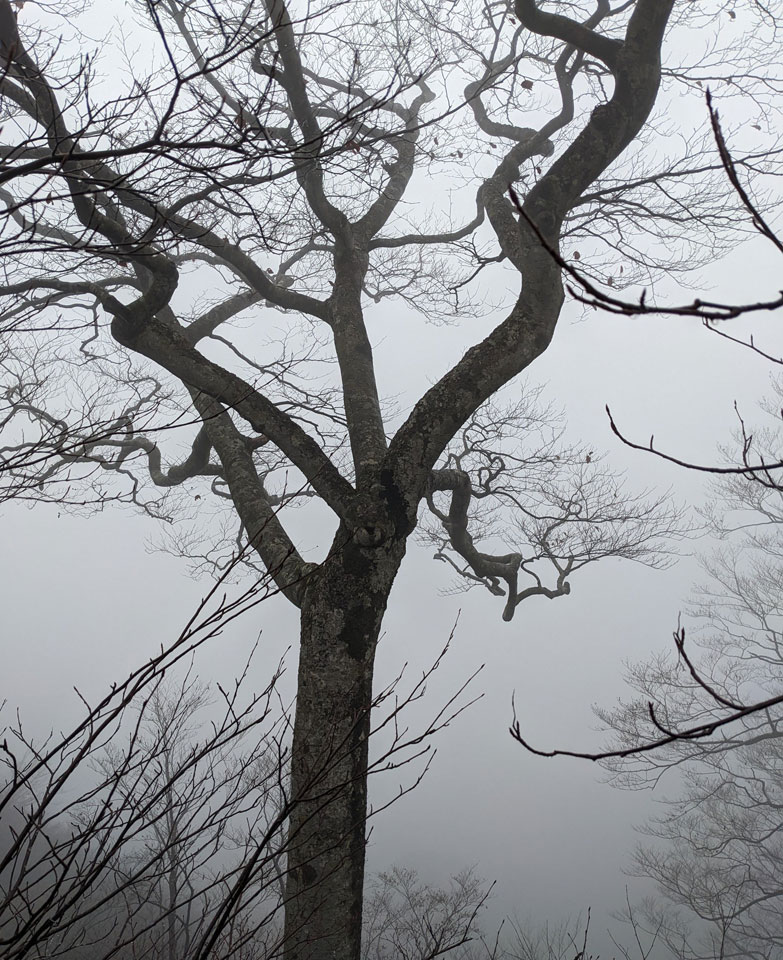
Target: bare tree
{"type": "Point", "coordinates": [209, 807]}
{"type": "Point", "coordinates": [259, 166]}
{"type": "Point", "coordinates": [750, 482]}
{"type": "Point", "coordinates": [710, 715]}
{"type": "Point", "coordinates": [111, 833]}
{"type": "Point", "coordinates": [722, 849]}
{"type": "Point", "coordinates": [405, 918]}
{"type": "Point", "coordinates": [158, 826]}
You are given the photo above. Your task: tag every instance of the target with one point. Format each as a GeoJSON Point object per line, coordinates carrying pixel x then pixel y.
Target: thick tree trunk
{"type": "Point", "coordinates": [341, 618]}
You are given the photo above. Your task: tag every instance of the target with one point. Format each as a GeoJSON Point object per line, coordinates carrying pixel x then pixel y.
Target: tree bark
{"type": "Point", "coordinates": [343, 608]}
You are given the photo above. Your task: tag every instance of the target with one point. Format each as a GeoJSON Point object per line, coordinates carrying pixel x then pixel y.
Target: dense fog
{"type": "Point", "coordinates": [151, 644]}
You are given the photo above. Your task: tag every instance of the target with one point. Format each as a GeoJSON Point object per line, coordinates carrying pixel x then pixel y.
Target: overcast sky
{"type": "Point", "coordinates": [85, 600]}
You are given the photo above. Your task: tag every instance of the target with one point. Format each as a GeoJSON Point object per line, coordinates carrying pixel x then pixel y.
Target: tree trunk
{"type": "Point", "coordinates": [341, 619]}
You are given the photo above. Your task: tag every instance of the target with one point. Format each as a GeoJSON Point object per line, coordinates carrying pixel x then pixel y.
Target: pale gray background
{"type": "Point", "coordinates": [85, 600]}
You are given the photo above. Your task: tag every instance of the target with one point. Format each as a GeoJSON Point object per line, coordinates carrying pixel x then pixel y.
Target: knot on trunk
{"type": "Point", "coordinates": [372, 535]}
{"type": "Point", "coordinates": [369, 521]}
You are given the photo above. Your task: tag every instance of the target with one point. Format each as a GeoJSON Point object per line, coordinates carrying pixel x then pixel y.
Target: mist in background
{"type": "Point", "coordinates": [85, 600]}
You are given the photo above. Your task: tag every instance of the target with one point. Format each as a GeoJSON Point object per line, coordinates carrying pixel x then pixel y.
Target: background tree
{"type": "Point", "coordinates": [212, 808]}
{"type": "Point", "coordinates": [710, 717]}
{"type": "Point", "coordinates": [721, 855]}
{"type": "Point", "coordinates": [406, 918]}
{"type": "Point", "coordinates": [263, 163]}
{"type": "Point", "coordinates": [121, 837]}
{"type": "Point", "coordinates": [156, 827]}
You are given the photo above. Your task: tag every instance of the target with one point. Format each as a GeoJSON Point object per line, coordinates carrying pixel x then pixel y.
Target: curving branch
{"type": "Point", "coordinates": [563, 508]}
{"type": "Point", "coordinates": [486, 568]}
{"type": "Point", "coordinates": [293, 80]}
{"type": "Point", "coordinates": [667, 736]}
{"type": "Point", "coordinates": [578, 35]}
{"type": "Point", "coordinates": [400, 171]}
{"type": "Point", "coordinates": [253, 504]}
{"type": "Point", "coordinates": [763, 471]}
{"type": "Point", "coordinates": [528, 328]}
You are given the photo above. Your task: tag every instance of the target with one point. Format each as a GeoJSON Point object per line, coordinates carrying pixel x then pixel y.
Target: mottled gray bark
{"type": "Point", "coordinates": [344, 604]}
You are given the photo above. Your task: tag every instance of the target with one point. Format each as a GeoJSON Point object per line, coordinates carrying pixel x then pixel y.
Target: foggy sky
{"type": "Point", "coordinates": [85, 600]}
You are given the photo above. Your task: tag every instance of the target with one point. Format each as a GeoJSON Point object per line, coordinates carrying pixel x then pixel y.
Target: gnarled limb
{"type": "Point", "coordinates": [264, 530]}
{"type": "Point", "coordinates": [563, 507]}
{"type": "Point", "coordinates": [527, 330]}
{"type": "Point", "coordinates": [487, 568]}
